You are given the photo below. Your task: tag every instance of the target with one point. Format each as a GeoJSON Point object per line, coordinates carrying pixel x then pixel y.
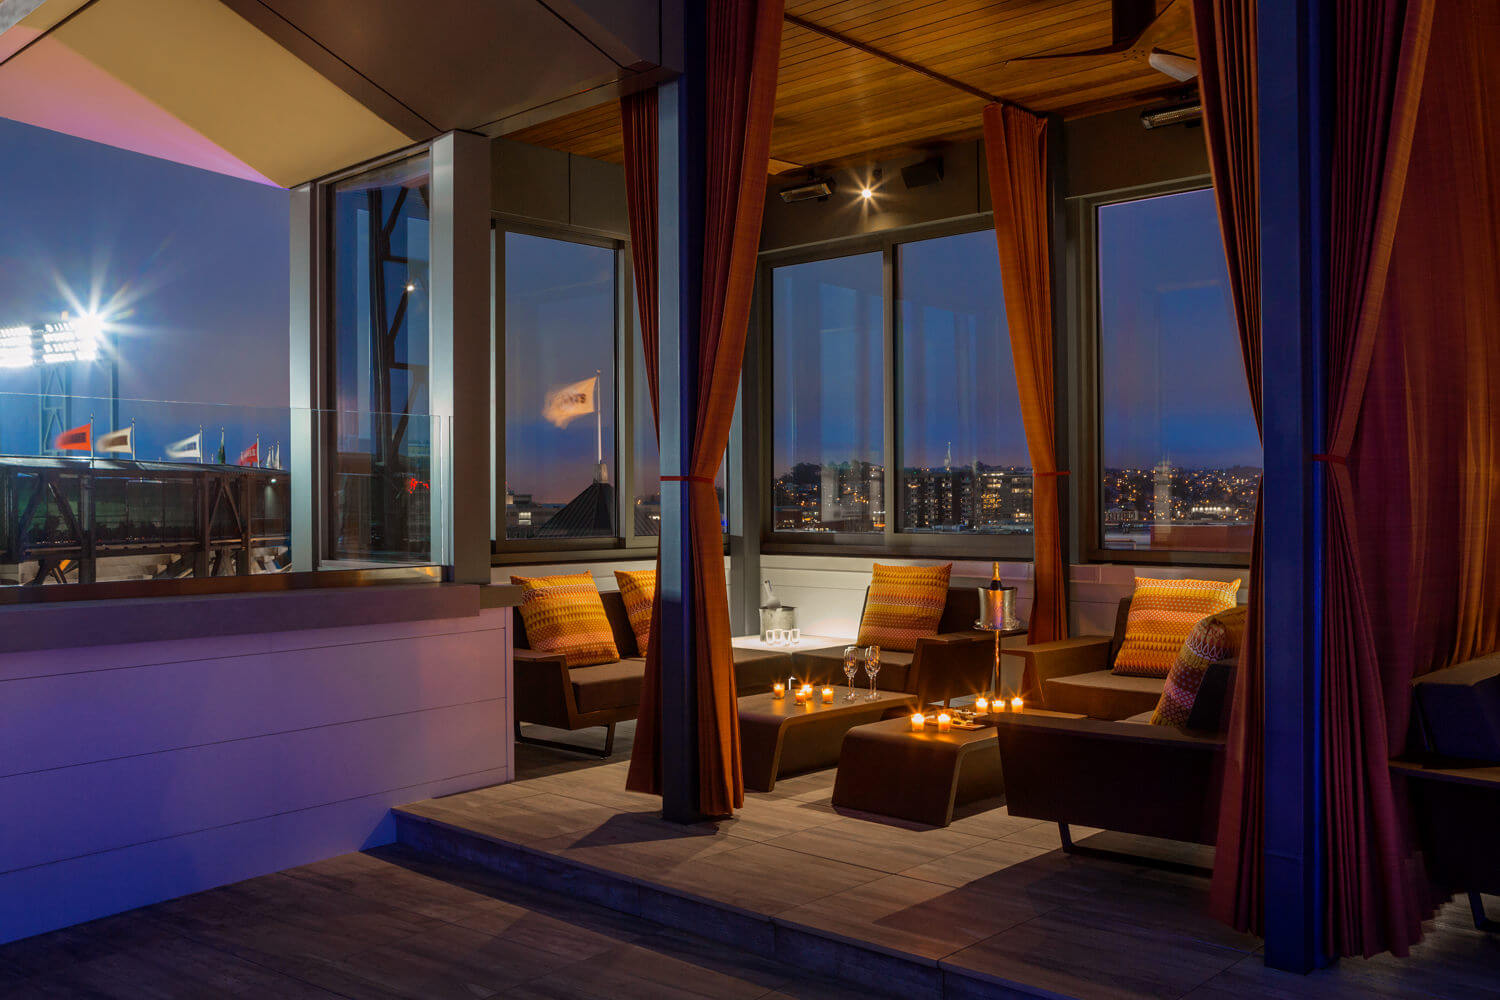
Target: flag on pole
{"type": "Point", "coordinates": [567, 404]}
{"type": "Point", "coordinates": [188, 447]}
{"type": "Point", "coordinates": [221, 458]}
{"type": "Point", "coordinates": [250, 455]}
{"type": "Point", "coordinates": [80, 438]}
{"type": "Point", "coordinates": [117, 441]}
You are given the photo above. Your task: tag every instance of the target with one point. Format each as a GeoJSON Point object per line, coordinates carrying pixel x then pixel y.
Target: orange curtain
{"type": "Point", "coordinates": [638, 126]}
{"type": "Point", "coordinates": [1225, 35]}
{"type": "Point", "coordinates": [1015, 146]}
{"type": "Point", "coordinates": [1376, 897]}
{"type": "Point", "coordinates": [743, 50]}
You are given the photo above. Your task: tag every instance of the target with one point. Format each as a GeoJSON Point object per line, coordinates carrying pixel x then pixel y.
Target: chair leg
{"type": "Point", "coordinates": [1123, 857]}
{"type": "Point", "coordinates": [535, 741]}
{"type": "Point", "coordinates": [1481, 919]}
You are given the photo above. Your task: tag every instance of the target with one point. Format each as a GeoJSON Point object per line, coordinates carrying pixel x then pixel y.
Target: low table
{"type": "Point", "coordinates": [887, 769]}
{"type": "Point", "coordinates": [807, 641]}
{"type": "Point", "coordinates": [780, 737]}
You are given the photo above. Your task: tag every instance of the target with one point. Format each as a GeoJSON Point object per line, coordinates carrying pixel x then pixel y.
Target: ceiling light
{"type": "Point", "coordinates": [866, 193]}
{"type": "Point", "coordinates": [1171, 114]}
{"type": "Point", "coordinates": [410, 287]}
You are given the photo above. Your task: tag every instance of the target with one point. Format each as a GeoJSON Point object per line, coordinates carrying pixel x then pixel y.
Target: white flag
{"type": "Point", "coordinates": [188, 447]}
{"type": "Point", "coordinates": [117, 441]}
{"type": "Point", "coordinates": [567, 404]}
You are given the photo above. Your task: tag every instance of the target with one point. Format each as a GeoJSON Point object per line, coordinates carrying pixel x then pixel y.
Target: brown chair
{"type": "Point", "coordinates": [547, 693]}
{"type": "Point", "coordinates": [956, 662]}
{"type": "Point", "coordinates": [1074, 675]}
{"type": "Point", "coordinates": [1122, 775]}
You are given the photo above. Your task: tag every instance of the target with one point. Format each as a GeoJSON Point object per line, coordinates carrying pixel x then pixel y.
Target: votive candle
{"type": "Point", "coordinates": [828, 696]}
{"type": "Point", "coordinates": [945, 722]}
{"type": "Point", "coordinates": [1015, 704]}
{"type": "Point", "coordinates": [981, 705]}
{"type": "Point", "coordinates": [918, 721]}
{"type": "Point", "coordinates": [778, 690]}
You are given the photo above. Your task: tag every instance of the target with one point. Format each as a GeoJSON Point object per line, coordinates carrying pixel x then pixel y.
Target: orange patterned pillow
{"type": "Point", "coordinates": [638, 589]}
{"type": "Point", "coordinates": [905, 604]}
{"type": "Point", "coordinates": [563, 614]}
{"type": "Point", "coordinates": [1162, 613]}
{"type": "Point", "coordinates": [1215, 638]}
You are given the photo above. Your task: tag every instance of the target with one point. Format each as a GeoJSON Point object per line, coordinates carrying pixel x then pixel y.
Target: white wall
{"type": "Point", "coordinates": [135, 773]}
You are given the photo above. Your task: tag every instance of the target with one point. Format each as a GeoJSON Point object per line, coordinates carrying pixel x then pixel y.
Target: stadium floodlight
{"type": "Point", "coordinates": [59, 342]}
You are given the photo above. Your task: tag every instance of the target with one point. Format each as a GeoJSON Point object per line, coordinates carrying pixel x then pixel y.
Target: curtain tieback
{"type": "Point", "coordinates": [1045, 475]}
{"type": "Point", "coordinates": [687, 479]}
{"type": "Point", "coordinates": [1332, 459]}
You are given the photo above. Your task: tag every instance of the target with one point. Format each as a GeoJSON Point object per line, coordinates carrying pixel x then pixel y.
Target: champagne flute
{"type": "Point", "coordinates": [851, 667]}
{"type": "Point", "coordinates": [872, 667]}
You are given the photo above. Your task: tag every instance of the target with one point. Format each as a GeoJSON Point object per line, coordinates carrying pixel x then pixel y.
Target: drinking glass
{"type": "Point", "coordinates": [872, 667]}
{"type": "Point", "coordinates": [851, 667]}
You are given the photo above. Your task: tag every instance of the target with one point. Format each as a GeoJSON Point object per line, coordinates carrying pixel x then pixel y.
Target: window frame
{"type": "Point", "coordinates": [625, 544]}
{"type": "Point", "coordinates": [892, 542]}
{"type": "Point", "coordinates": [1084, 218]}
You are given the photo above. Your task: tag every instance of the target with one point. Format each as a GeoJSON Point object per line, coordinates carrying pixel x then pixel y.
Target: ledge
{"type": "Point", "coordinates": [66, 624]}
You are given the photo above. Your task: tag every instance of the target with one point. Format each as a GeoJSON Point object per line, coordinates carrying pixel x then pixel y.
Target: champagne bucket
{"type": "Point", "coordinates": [782, 617]}
{"type": "Point", "coordinates": [997, 608]}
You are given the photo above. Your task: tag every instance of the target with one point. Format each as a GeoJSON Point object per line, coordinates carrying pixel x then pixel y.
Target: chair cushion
{"type": "Point", "coordinates": [638, 589]}
{"type": "Point", "coordinates": [755, 670]}
{"type": "Point", "coordinates": [610, 686]}
{"type": "Point", "coordinates": [1215, 638]}
{"type": "Point", "coordinates": [563, 614]}
{"type": "Point", "coordinates": [1162, 613]}
{"type": "Point", "coordinates": [1142, 718]}
{"type": "Point", "coordinates": [904, 603]}
{"type": "Point", "coordinates": [826, 666]}
{"type": "Point", "coordinates": [1460, 708]}
{"type": "Point", "coordinates": [1103, 694]}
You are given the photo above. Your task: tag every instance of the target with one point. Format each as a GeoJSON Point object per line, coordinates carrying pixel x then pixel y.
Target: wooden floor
{"type": "Point", "coordinates": [991, 901]}
{"type": "Point", "coordinates": [389, 924]}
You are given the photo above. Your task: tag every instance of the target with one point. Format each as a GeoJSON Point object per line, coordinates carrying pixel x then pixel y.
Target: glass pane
{"type": "Point", "coordinates": [828, 396]}
{"type": "Point", "coordinates": [559, 388]}
{"type": "Point", "coordinates": [964, 465]}
{"type": "Point", "coordinates": [1181, 457]}
{"type": "Point", "coordinates": [380, 364]}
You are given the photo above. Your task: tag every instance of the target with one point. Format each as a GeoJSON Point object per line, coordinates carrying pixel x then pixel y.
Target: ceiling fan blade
{"type": "Point", "coordinates": [1179, 68]}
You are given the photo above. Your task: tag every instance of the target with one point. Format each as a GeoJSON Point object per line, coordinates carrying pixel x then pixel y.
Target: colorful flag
{"type": "Point", "coordinates": [250, 456]}
{"type": "Point", "coordinates": [188, 447]}
{"type": "Point", "coordinates": [117, 441]}
{"type": "Point", "coordinates": [567, 404]}
{"type": "Point", "coordinates": [80, 438]}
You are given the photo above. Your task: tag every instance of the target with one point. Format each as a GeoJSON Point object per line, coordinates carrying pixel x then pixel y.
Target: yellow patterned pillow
{"type": "Point", "coordinates": [563, 614]}
{"type": "Point", "coordinates": [1217, 637]}
{"type": "Point", "coordinates": [1162, 613]}
{"type": "Point", "coordinates": [904, 604]}
{"type": "Point", "coordinates": [638, 589]}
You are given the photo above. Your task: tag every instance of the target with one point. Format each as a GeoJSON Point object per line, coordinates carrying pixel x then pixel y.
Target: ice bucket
{"type": "Point", "coordinates": [997, 608]}
{"type": "Point", "coordinates": [782, 617]}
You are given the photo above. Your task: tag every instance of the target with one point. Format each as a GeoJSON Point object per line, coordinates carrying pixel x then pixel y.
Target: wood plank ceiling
{"type": "Point", "coordinates": [836, 102]}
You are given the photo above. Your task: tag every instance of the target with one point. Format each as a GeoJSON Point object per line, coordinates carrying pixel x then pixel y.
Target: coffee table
{"type": "Point", "coordinates": [780, 737]}
{"type": "Point", "coordinates": [887, 769]}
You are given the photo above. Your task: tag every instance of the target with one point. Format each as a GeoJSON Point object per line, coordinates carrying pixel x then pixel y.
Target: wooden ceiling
{"type": "Point", "coordinates": [836, 102]}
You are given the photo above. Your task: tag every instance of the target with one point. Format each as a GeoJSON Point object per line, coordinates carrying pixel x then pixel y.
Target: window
{"type": "Point", "coordinates": [1180, 455]}
{"type": "Point", "coordinates": [383, 439]}
{"type": "Point", "coordinates": [560, 328]}
{"type": "Point", "coordinates": [828, 396]}
{"type": "Point", "coordinates": [964, 465]}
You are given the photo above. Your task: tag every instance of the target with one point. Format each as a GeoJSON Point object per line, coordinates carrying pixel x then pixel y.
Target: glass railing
{"type": "Point", "coordinates": [97, 490]}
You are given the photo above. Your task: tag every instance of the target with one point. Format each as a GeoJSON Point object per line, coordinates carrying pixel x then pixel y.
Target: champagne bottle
{"type": "Point", "coordinates": [995, 576]}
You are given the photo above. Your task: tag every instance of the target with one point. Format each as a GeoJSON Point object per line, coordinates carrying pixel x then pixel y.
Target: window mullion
{"type": "Point", "coordinates": [891, 486]}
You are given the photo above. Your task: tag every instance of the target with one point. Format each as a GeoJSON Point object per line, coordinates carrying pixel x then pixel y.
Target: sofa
{"type": "Point", "coordinates": [956, 662]}
{"type": "Point", "coordinates": [1074, 675]}
{"type": "Point", "coordinates": [548, 693]}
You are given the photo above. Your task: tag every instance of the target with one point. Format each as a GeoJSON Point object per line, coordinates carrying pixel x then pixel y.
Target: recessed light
{"type": "Point", "coordinates": [866, 193]}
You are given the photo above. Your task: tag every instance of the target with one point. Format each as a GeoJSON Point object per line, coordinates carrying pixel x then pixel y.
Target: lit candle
{"type": "Point", "coordinates": [800, 695]}
{"type": "Point", "coordinates": [945, 722]}
{"type": "Point", "coordinates": [981, 705]}
{"type": "Point", "coordinates": [917, 722]}
{"type": "Point", "coordinates": [1015, 704]}
{"type": "Point", "coordinates": [778, 690]}
{"type": "Point", "coordinates": [828, 696]}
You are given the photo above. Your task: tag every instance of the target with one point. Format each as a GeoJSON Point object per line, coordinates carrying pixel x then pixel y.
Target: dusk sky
{"type": "Point", "coordinates": [190, 268]}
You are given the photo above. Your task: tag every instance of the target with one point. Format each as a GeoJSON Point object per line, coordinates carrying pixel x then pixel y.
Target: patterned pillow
{"type": "Point", "coordinates": [563, 614]}
{"type": "Point", "coordinates": [638, 589]}
{"type": "Point", "coordinates": [1162, 613]}
{"type": "Point", "coordinates": [1215, 638]}
{"type": "Point", "coordinates": [905, 604]}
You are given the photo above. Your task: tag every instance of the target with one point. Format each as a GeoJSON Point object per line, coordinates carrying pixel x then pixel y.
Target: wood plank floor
{"type": "Point", "coordinates": [992, 897]}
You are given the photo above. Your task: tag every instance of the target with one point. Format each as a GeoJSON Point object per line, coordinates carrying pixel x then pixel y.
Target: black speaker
{"type": "Point", "coordinates": [929, 171]}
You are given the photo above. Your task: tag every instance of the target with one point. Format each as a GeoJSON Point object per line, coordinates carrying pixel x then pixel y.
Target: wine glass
{"type": "Point", "coordinates": [872, 667]}
{"type": "Point", "coordinates": [851, 668]}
